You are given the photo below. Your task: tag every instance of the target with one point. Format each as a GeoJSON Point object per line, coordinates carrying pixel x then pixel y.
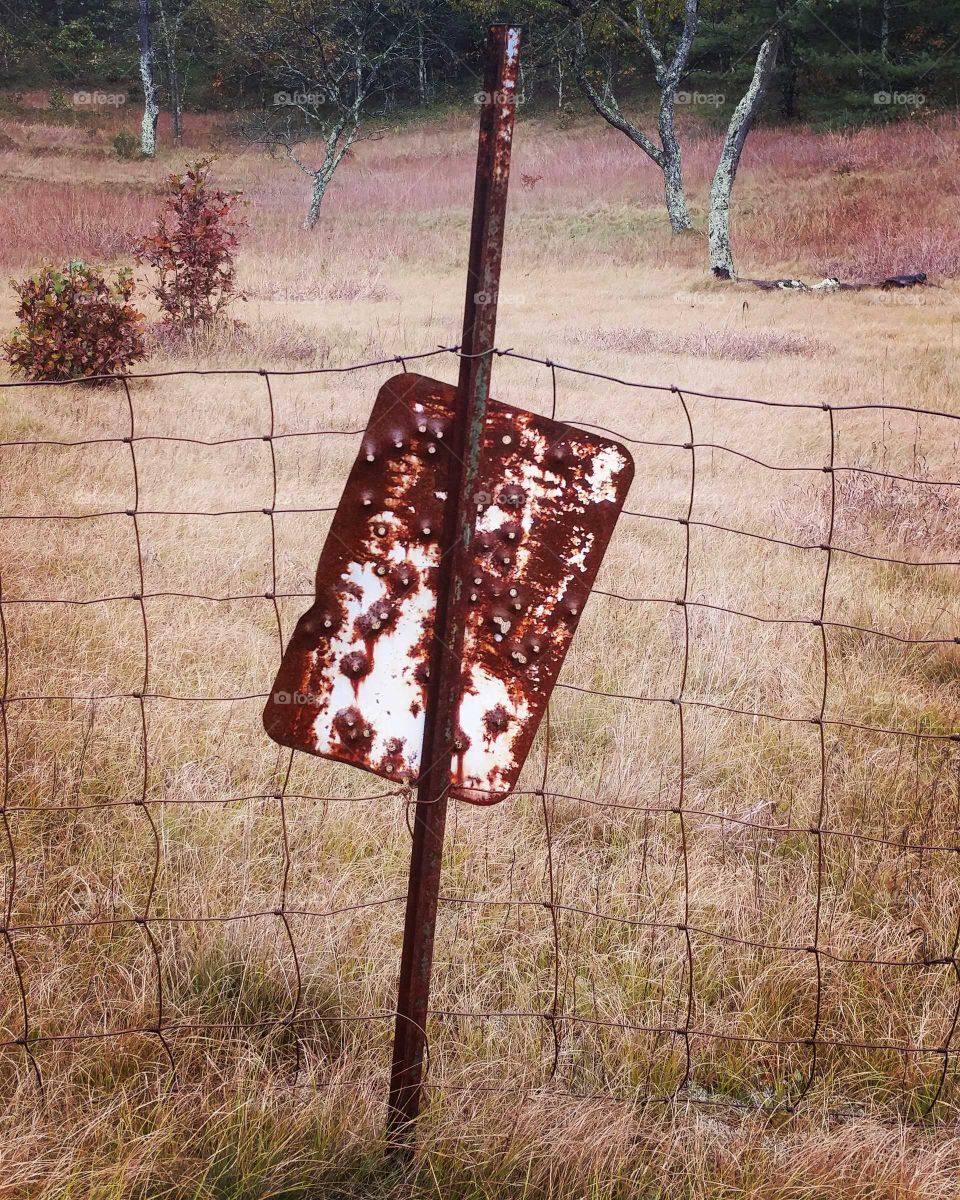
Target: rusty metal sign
{"type": "Point", "coordinates": [353, 682]}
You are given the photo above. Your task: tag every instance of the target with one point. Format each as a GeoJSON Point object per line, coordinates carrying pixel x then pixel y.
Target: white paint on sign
{"type": "Point", "coordinates": [389, 694]}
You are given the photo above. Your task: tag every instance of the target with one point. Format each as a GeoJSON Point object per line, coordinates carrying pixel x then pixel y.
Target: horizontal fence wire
{"type": "Point", "coordinates": [686, 1030]}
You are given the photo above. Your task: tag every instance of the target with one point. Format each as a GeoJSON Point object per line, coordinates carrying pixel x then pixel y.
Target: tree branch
{"type": "Point", "coordinates": [607, 107]}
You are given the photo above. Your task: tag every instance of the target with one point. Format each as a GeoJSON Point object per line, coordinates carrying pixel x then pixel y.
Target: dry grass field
{"type": "Point", "coordinates": [775, 847]}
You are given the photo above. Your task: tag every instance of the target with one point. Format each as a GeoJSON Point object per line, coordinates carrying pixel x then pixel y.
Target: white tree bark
{"type": "Point", "coordinates": [667, 73]}
{"type": "Point", "coordinates": [151, 110]}
{"type": "Point", "coordinates": [718, 220]}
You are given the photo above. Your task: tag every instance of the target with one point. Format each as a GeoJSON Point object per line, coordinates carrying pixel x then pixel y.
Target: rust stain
{"type": "Point", "coordinates": [352, 685]}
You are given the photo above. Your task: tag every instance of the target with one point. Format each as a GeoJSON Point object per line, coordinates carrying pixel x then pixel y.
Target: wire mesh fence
{"type": "Point", "coordinates": [729, 875]}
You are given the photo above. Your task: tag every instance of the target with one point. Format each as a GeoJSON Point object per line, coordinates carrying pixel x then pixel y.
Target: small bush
{"type": "Point", "coordinates": [192, 249]}
{"type": "Point", "coordinates": [74, 324]}
{"type": "Point", "coordinates": [566, 115]}
{"type": "Point", "coordinates": [57, 100]}
{"type": "Point", "coordinates": [126, 145]}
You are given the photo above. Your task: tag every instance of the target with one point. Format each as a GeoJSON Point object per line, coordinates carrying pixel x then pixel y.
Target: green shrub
{"type": "Point", "coordinates": [566, 115]}
{"type": "Point", "coordinates": [126, 144]}
{"type": "Point", "coordinates": [74, 323]}
{"type": "Point", "coordinates": [57, 100]}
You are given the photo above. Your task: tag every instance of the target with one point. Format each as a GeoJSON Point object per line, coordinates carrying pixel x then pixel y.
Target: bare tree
{"type": "Point", "coordinates": [336, 131]}
{"type": "Point", "coordinates": [329, 65]}
{"type": "Point", "coordinates": [170, 23]}
{"type": "Point", "coordinates": [151, 110]}
{"type": "Point", "coordinates": [423, 88]}
{"type": "Point", "coordinates": [718, 220]}
{"type": "Point", "coordinates": [668, 70]}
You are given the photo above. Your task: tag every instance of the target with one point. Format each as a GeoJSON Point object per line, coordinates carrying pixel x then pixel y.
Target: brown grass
{"type": "Point", "coordinates": [591, 275]}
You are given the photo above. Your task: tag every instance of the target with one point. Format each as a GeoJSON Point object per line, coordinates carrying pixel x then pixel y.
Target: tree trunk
{"type": "Point", "coordinates": [320, 181]}
{"type": "Point", "coordinates": [173, 71]}
{"type": "Point", "coordinates": [151, 111]}
{"type": "Point", "coordinates": [421, 68]}
{"type": "Point", "coordinates": [674, 191]}
{"type": "Point", "coordinates": [339, 140]}
{"type": "Point", "coordinates": [718, 222]}
{"type": "Point", "coordinates": [675, 195]}
{"type": "Point", "coordinates": [176, 102]}
{"type": "Point", "coordinates": [885, 30]}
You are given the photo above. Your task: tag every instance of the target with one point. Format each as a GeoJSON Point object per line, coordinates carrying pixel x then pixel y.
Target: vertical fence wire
{"type": "Point", "coordinates": [142, 801]}
{"type": "Point", "coordinates": [290, 1020]}
{"type": "Point", "coordinates": [11, 872]}
{"type": "Point", "coordinates": [682, 745]}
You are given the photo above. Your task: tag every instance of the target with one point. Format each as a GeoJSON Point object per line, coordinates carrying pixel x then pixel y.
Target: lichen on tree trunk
{"type": "Point", "coordinates": [151, 110]}
{"type": "Point", "coordinates": [672, 164]}
{"type": "Point", "coordinates": [339, 138]}
{"type": "Point", "coordinates": [718, 219]}
{"type": "Point", "coordinates": [675, 195]}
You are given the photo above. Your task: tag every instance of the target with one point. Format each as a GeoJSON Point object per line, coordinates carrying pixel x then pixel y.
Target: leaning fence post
{"type": "Point", "coordinates": [479, 325]}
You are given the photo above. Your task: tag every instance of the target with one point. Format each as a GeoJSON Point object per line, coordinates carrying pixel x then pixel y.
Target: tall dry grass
{"type": "Point", "coordinates": [591, 275]}
{"type": "Point", "coordinates": [857, 204]}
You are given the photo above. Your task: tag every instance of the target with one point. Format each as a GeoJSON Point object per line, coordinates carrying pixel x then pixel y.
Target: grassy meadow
{"type": "Point", "coordinates": [298, 869]}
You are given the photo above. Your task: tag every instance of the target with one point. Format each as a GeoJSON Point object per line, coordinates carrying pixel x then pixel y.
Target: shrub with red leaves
{"type": "Point", "coordinates": [192, 249]}
{"type": "Point", "coordinates": [74, 324]}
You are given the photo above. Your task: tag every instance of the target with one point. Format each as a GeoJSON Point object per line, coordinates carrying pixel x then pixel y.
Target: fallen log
{"type": "Point", "coordinates": [832, 284]}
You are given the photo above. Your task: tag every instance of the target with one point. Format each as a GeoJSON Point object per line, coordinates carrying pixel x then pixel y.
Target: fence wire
{"type": "Point", "coordinates": [667, 1023]}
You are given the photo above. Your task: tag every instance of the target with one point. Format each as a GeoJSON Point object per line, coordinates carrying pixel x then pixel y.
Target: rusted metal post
{"type": "Point", "coordinates": [479, 325]}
